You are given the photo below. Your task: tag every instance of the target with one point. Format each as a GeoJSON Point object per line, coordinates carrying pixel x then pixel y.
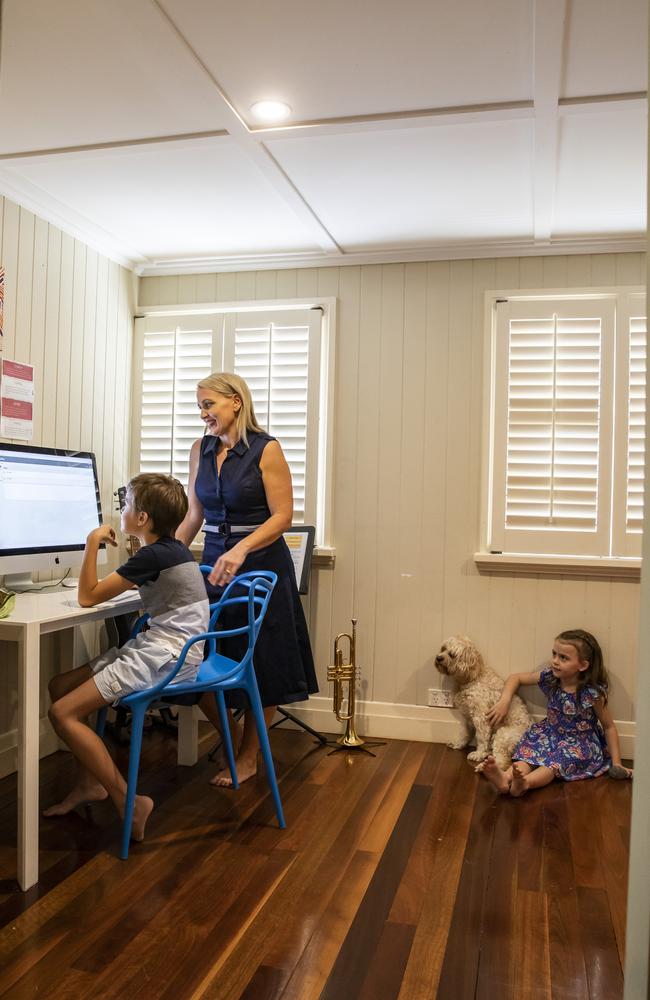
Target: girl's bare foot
{"type": "Point", "coordinates": [141, 812]}
{"type": "Point", "coordinates": [246, 768]}
{"type": "Point", "coordinates": [495, 775]}
{"type": "Point", "coordinates": [77, 797]}
{"type": "Point", "coordinates": [518, 785]}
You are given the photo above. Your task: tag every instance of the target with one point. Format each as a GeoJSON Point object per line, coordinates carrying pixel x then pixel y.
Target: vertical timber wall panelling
{"type": "Point", "coordinates": [69, 312]}
{"type": "Point", "coordinates": [407, 464]}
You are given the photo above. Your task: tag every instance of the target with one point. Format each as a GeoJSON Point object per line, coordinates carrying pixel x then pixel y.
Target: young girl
{"type": "Point", "coordinates": [578, 738]}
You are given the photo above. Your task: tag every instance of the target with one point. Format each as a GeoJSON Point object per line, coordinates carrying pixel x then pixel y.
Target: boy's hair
{"type": "Point", "coordinates": [588, 648]}
{"type": "Point", "coordinates": [229, 384]}
{"type": "Point", "coordinates": [162, 498]}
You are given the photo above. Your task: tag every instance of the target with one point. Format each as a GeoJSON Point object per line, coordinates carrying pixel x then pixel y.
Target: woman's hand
{"type": "Point", "coordinates": [497, 713]}
{"type": "Point", "coordinates": [227, 565]}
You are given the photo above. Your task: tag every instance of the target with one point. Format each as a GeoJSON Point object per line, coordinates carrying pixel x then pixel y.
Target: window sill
{"type": "Point", "coordinates": [508, 564]}
{"type": "Point", "coordinates": [323, 555]}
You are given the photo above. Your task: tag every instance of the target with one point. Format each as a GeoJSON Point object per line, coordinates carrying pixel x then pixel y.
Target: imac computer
{"type": "Point", "coordinates": [49, 501]}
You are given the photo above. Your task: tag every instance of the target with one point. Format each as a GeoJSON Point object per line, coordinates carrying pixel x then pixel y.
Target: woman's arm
{"type": "Point", "coordinates": [191, 523]}
{"type": "Point", "coordinates": [279, 496]}
{"type": "Point", "coordinates": [606, 720]}
{"type": "Point", "coordinates": [498, 712]}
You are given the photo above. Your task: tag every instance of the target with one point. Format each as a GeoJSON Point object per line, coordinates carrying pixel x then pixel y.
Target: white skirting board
{"type": "Point", "coordinates": [379, 719]}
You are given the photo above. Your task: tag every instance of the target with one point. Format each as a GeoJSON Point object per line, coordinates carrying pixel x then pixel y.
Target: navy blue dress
{"type": "Point", "coordinates": [283, 660]}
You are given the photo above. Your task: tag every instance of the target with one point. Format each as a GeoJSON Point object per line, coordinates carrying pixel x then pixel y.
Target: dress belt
{"type": "Point", "coordinates": [230, 529]}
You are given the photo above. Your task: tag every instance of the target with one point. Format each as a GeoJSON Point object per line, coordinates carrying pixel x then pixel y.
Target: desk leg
{"type": "Point", "coordinates": [188, 735]}
{"type": "Point", "coordinates": [28, 755]}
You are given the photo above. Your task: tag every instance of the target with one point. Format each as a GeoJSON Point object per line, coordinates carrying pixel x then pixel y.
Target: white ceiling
{"type": "Point", "coordinates": [419, 130]}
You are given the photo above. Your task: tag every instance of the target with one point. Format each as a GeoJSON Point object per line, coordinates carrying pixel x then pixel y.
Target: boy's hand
{"type": "Point", "coordinates": [104, 533]}
{"type": "Point", "coordinates": [497, 714]}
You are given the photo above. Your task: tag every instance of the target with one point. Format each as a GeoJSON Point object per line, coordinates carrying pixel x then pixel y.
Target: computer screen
{"type": "Point", "coordinates": [49, 501]}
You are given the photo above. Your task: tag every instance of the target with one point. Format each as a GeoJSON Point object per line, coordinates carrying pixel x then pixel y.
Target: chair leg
{"type": "Point", "coordinates": [100, 725]}
{"type": "Point", "coordinates": [226, 739]}
{"type": "Point", "coordinates": [137, 725]}
{"type": "Point", "coordinates": [265, 747]}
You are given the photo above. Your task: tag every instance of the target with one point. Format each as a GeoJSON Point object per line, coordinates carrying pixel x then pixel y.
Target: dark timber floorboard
{"type": "Point", "coordinates": [399, 877]}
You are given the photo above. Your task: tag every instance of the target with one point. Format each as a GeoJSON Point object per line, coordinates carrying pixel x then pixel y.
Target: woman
{"type": "Point", "coordinates": [240, 484]}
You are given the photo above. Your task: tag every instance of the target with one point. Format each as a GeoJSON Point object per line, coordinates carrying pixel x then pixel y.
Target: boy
{"type": "Point", "coordinates": [173, 593]}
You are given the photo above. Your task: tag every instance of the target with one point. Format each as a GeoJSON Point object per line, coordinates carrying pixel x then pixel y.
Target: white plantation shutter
{"type": "Point", "coordinates": [552, 444]}
{"type": "Point", "coordinates": [175, 355]}
{"type": "Point", "coordinates": [630, 403]}
{"type": "Point", "coordinates": [636, 423]}
{"type": "Point", "coordinates": [277, 353]}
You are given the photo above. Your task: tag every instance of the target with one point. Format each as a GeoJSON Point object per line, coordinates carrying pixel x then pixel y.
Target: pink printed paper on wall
{"type": "Point", "coordinates": [16, 400]}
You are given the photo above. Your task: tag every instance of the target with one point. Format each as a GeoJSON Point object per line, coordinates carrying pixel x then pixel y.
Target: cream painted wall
{"type": "Point", "coordinates": [407, 456]}
{"type": "Point", "coordinates": [69, 312]}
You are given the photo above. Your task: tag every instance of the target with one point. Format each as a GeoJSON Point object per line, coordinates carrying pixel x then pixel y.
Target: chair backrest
{"type": "Point", "coordinates": [257, 597]}
{"type": "Point", "coordinates": [255, 594]}
{"type": "Point", "coordinates": [265, 580]}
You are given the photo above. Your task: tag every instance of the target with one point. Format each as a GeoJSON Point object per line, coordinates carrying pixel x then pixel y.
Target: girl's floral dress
{"type": "Point", "coordinates": [570, 740]}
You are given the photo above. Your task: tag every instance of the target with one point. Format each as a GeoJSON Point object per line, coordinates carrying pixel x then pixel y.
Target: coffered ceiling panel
{"type": "Point", "coordinates": [339, 58]}
{"type": "Point", "coordinates": [182, 199]}
{"type": "Point", "coordinates": [86, 71]}
{"type": "Point", "coordinates": [606, 47]}
{"type": "Point", "coordinates": [397, 188]}
{"type": "Point", "coordinates": [601, 183]}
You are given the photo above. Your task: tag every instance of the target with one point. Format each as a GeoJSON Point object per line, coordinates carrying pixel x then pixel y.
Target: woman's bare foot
{"type": "Point", "coordinates": [246, 768]}
{"type": "Point", "coordinates": [141, 812]}
{"type": "Point", "coordinates": [518, 785]}
{"type": "Point", "coordinates": [495, 775]}
{"type": "Point", "coordinates": [77, 797]}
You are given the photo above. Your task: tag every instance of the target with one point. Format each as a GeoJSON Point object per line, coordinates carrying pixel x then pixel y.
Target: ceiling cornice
{"type": "Point", "coordinates": [622, 243]}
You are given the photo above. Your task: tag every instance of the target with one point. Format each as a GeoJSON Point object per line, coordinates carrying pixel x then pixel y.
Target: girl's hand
{"type": "Point", "coordinates": [227, 566]}
{"type": "Point", "coordinates": [620, 772]}
{"type": "Point", "coordinates": [497, 714]}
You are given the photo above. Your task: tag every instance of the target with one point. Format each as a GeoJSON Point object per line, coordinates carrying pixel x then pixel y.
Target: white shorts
{"type": "Point", "coordinates": [135, 666]}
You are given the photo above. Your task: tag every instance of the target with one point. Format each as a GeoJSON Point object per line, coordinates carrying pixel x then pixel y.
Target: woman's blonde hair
{"type": "Point", "coordinates": [229, 384]}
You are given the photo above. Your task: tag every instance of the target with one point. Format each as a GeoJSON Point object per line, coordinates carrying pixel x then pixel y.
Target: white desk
{"type": "Point", "coordinates": [37, 614]}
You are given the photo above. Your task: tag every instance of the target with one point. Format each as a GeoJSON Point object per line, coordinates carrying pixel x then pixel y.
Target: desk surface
{"type": "Point", "coordinates": [56, 609]}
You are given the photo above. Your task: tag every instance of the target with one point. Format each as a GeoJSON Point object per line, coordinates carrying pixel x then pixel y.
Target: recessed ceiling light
{"type": "Point", "coordinates": [271, 111]}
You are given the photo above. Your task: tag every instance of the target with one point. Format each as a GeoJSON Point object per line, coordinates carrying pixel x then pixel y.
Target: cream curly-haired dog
{"type": "Point", "coordinates": [479, 688]}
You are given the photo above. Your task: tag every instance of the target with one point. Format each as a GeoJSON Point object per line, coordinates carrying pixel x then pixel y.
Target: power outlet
{"type": "Point", "coordinates": [439, 698]}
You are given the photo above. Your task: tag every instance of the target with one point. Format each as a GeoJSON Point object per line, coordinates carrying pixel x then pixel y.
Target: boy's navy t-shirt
{"type": "Point", "coordinates": [173, 593]}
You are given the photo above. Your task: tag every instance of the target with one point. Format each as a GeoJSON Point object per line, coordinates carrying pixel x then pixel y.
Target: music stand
{"type": "Point", "coordinates": [300, 540]}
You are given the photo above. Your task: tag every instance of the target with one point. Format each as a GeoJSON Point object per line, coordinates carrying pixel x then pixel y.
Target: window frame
{"type": "Point", "coordinates": [490, 559]}
{"type": "Point", "coordinates": [321, 437]}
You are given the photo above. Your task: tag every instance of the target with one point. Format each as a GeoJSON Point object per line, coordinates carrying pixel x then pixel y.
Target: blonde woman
{"type": "Point", "coordinates": [240, 484]}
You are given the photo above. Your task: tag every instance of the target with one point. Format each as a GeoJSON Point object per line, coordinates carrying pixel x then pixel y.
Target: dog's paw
{"type": "Point", "coordinates": [476, 755]}
{"type": "Point", "coordinates": [458, 745]}
{"type": "Point", "coordinates": [479, 767]}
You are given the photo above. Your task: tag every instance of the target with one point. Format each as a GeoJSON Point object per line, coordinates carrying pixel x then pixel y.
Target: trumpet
{"type": "Point", "coordinates": [341, 673]}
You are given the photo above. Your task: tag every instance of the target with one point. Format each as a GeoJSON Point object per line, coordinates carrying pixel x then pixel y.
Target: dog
{"type": "Point", "coordinates": [479, 689]}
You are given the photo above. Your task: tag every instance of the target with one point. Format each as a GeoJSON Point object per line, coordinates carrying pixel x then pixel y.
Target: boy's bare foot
{"type": "Point", "coordinates": [141, 811]}
{"type": "Point", "coordinates": [77, 797]}
{"type": "Point", "coordinates": [495, 775]}
{"type": "Point", "coordinates": [246, 768]}
{"type": "Point", "coordinates": [518, 785]}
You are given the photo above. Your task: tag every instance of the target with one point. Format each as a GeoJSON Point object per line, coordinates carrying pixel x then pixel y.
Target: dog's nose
{"type": "Point", "coordinates": [439, 658]}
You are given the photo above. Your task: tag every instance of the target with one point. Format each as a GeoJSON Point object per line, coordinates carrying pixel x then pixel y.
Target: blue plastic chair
{"type": "Point", "coordinates": [217, 673]}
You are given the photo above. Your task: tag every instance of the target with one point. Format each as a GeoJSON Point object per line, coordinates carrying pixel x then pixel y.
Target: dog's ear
{"type": "Point", "coordinates": [473, 660]}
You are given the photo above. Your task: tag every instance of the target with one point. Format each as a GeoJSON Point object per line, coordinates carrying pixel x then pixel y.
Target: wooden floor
{"type": "Point", "coordinates": [399, 876]}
